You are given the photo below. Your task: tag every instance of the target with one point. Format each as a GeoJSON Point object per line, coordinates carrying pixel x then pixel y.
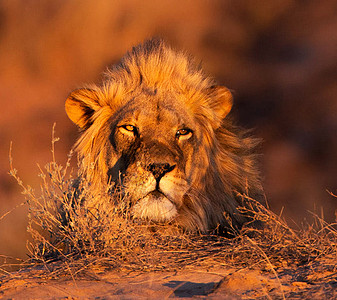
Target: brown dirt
{"type": "Point", "coordinates": [193, 282]}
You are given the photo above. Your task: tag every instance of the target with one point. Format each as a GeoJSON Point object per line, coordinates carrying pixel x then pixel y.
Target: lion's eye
{"type": "Point", "coordinates": [128, 129]}
{"type": "Point", "coordinates": [184, 134]}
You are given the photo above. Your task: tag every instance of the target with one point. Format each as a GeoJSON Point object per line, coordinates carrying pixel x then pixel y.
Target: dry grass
{"type": "Point", "coordinates": [69, 238]}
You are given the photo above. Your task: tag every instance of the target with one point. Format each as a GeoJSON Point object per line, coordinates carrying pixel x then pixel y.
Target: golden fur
{"type": "Point", "coordinates": [158, 128]}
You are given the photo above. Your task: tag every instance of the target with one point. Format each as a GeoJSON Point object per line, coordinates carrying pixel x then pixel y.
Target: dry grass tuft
{"type": "Point", "coordinates": [69, 238]}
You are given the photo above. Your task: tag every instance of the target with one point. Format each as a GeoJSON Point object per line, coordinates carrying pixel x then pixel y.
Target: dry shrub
{"type": "Point", "coordinates": [66, 232]}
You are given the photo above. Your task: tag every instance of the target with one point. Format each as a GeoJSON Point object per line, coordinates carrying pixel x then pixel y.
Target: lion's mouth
{"type": "Point", "coordinates": [156, 194]}
{"type": "Point", "coordinates": [155, 206]}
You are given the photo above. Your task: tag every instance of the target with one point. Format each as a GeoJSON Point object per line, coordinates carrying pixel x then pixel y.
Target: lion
{"type": "Point", "coordinates": [158, 128]}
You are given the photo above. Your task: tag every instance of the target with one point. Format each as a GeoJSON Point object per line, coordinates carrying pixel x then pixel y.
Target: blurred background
{"type": "Point", "coordinates": [278, 56]}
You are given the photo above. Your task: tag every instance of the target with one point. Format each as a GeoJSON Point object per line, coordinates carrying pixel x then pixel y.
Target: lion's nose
{"type": "Point", "coordinates": [159, 170]}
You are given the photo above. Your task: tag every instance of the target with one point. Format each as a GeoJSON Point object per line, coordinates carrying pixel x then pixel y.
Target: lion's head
{"type": "Point", "coordinates": [158, 127]}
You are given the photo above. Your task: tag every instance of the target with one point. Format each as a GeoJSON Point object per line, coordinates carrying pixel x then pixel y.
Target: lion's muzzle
{"type": "Point", "coordinates": [156, 205]}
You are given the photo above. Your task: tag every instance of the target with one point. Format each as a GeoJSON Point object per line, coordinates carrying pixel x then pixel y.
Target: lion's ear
{"type": "Point", "coordinates": [81, 105]}
{"type": "Point", "coordinates": [222, 100]}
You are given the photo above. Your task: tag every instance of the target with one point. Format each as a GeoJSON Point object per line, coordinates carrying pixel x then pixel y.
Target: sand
{"type": "Point", "coordinates": [211, 283]}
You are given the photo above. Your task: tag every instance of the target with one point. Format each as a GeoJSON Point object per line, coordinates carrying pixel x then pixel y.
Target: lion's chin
{"type": "Point", "coordinates": [155, 207]}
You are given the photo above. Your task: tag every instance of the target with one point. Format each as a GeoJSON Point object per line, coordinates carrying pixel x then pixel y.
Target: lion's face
{"type": "Point", "coordinates": [156, 129]}
{"type": "Point", "coordinates": [155, 139]}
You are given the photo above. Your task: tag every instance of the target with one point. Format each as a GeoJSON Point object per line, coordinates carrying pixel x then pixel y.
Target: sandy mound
{"type": "Point", "coordinates": [219, 282]}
